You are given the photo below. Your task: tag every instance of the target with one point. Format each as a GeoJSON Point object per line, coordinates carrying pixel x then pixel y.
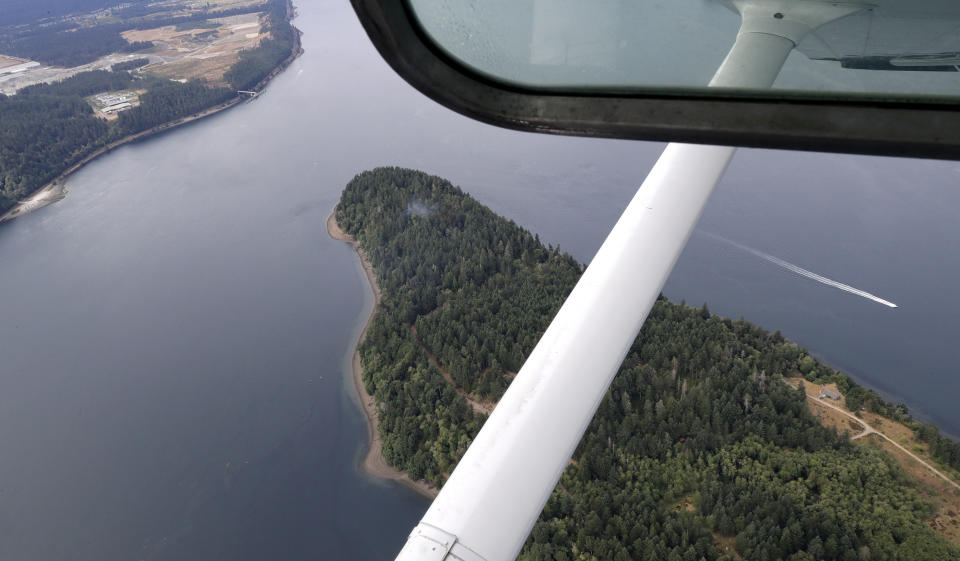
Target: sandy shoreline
{"type": "Point", "coordinates": [48, 194]}
{"type": "Point", "coordinates": [374, 463]}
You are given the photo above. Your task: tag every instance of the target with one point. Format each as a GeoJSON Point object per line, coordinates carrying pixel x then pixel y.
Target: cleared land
{"type": "Point", "coordinates": [202, 51]}
{"type": "Point", "coordinates": [900, 442]}
{"type": "Point", "coordinates": [946, 521]}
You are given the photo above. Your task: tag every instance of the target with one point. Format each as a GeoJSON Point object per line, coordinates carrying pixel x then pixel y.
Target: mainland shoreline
{"type": "Point", "coordinates": [374, 464]}
{"type": "Point", "coordinates": [56, 189]}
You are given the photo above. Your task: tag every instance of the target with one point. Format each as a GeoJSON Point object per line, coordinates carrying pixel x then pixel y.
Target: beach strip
{"type": "Point", "coordinates": [374, 463]}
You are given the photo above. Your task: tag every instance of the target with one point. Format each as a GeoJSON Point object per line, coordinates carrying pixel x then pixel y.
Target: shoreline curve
{"type": "Point", "coordinates": [55, 189]}
{"type": "Point", "coordinates": [374, 464]}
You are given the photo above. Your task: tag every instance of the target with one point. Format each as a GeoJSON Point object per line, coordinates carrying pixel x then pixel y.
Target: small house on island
{"type": "Point", "coordinates": [826, 392]}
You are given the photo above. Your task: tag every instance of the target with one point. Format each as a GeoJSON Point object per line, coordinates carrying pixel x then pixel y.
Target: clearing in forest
{"type": "Point", "coordinates": [108, 105]}
{"type": "Point", "coordinates": [943, 494]}
{"type": "Point", "coordinates": [205, 49]}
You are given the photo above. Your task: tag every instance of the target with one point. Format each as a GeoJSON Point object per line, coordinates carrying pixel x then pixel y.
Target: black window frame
{"type": "Point", "coordinates": [854, 124]}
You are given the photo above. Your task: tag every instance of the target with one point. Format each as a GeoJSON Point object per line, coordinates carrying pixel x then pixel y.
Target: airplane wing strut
{"type": "Point", "coordinates": [494, 496]}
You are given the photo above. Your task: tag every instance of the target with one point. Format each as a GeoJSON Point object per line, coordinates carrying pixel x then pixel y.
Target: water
{"type": "Point", "coordinates": [175, 332]}
{"type": "Point", "coordinates": [880, 224]}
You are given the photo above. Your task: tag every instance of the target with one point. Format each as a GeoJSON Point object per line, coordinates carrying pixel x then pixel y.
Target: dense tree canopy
{"type": "Point", "coordinates": [130, 64]}
{"type": "Point", "coordinates": [698, 446]}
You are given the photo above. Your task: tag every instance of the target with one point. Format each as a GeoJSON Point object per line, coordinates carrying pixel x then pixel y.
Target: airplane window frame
{"type": "Point", "coordinates": [854, 124]}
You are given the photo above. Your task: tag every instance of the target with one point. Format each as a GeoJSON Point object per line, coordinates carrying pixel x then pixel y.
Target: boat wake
{"type": "Point", "coordinates": [801, 271]}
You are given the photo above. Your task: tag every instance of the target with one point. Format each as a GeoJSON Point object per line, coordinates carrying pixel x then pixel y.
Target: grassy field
{"type": "Point", "coordinates": [205, 49]}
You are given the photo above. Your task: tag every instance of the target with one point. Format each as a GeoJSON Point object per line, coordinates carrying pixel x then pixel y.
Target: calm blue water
{"type": "Point", "coordinates": [175, 332]}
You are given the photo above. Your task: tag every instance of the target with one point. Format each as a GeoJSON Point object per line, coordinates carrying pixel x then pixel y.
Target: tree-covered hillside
{"type": "Point", "coordinates": [49, 127]}
{"type": "Point", "coordinates": [698, 452]}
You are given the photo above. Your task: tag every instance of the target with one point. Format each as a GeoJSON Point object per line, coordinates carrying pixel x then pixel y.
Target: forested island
{"type": "Point", "coordinates": [699, 451]}
{"type": "Point", "coordinates": [51, 129]}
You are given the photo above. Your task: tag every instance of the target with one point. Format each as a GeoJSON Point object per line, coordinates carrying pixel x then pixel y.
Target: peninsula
{"type": "Point", "coordinates": [699, 451]}
{"type": "Point", "coordinates": [77, 89]}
